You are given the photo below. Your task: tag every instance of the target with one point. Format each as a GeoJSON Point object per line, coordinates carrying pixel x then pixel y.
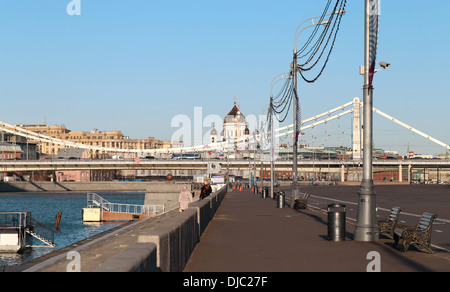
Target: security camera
{"type": "Point", "coordinates": [385, 65]}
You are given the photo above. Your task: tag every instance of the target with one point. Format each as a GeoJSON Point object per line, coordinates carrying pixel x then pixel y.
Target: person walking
{"type": "Point", "coordinates": [184, 199]}
{"type": "Point", "coordinates": [205, 191]}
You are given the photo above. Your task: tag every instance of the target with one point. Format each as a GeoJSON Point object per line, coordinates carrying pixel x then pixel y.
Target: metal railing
{"type": "Point", "coordinates": [153, 209]}
{"type": "Point", "coordinates": [26, 223]}
{"type": "Point", "coordinates": [96, 201]}
{"type": "Point", "coordinates": [15, 219]}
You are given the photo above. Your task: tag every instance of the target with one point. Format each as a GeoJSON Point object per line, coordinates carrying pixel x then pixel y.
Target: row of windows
{"type": "Point", "coordinates": [90, 137]}
{"type": "Point", "coordinates": [50, 132]}
{"type": "Point", "coordinates": [234, 133]}
{"type": "Point", "coordinates": [4, 156]}
{"type": "Point", "coordinates": [96, 137]}
{"type": "Point", "coordinates": [116, 144]}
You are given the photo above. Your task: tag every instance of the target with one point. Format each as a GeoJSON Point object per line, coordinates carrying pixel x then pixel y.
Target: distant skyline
{"type": "Point", "coordinates": [135, 65]}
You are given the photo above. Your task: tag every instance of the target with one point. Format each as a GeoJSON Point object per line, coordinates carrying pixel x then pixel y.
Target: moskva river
{"type": "Point", "coordinates": [44, 207]}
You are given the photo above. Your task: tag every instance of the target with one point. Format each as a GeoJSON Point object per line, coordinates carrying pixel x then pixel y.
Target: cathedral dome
{"type": "Point", "coordinates": [234, 116]}
{"type": "Point", "coordinates": [234, 125]}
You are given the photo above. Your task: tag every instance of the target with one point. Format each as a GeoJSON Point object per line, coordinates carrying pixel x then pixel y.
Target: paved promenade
{"type": "Point", "coordinates": [97, 250]}
{"type": "Point", "coordinates": [250, 234]}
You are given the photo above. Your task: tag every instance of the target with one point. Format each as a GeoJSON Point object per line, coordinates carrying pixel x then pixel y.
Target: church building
{"type": "Point", "coordinates": [234, 125]}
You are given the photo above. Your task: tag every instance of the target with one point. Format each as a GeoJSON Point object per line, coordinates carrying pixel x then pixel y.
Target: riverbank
{"type": "Point", "coordinates": [164, 243]}
{"type": "Point", "coordinates": [127, 186]}
{"type": "Point", "coordinates": [44, 207]}
{"type": "Point", "coordinates": [61, 187]}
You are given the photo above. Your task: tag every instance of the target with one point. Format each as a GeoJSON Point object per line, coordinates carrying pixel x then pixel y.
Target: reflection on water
{"type": "Point", "coordinates": [44, 208]}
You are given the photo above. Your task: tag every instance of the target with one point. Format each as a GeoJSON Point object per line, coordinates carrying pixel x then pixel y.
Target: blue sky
{"type": "Point", "coordinates": [134, 65]}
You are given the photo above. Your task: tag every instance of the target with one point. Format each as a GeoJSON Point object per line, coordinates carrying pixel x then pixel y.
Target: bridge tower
{"type": "Point", "coordinates": [357, 155]}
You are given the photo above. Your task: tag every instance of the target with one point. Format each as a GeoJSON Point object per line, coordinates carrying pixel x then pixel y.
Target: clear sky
{"type": "Point", "coordinates": [134, 65]}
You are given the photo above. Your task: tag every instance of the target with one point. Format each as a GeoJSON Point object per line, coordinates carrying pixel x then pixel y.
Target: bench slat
{"type": "Point", "coordinates": [420, 235]}
{"type": "Point", "coordinates": [427, 216]}
{"type": "Point", "coordinates": [392, 217]}
{"type": "Point", "coordinates": [303, 202]}
{"type": "Point", "coordinates": [390, 223]}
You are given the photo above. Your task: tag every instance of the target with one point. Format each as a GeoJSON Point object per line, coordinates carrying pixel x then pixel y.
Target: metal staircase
{"type": "Point", "coordinates": [41, 232]}
{"type": "Point", "coordinates": [37, 236]}
{"type": "Point", "coordinates": [96, 201]}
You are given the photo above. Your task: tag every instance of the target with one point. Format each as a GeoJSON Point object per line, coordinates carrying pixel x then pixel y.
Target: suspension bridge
{"type": "Point", "coordinates": [238, 166]}
{"type": "Point", "coordinates": [350, 108]}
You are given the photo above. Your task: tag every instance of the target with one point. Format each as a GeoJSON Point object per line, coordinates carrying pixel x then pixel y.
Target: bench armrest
{"type": "Point", "coordinates": [399, 229]}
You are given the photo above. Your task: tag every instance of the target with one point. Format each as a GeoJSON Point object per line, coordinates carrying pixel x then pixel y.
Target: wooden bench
{"type": "Point", "coordinates": [419, 235]}
{"type": "Point", "coordinates": [303, 202]}
{"type": "Point", "coordinates": [388, 225]}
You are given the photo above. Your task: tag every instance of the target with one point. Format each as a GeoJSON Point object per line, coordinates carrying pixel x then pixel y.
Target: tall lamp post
{"type": "Point", "coordinates": [295, 190]}
{"type": "Point", "coordinates": [275, 80]}
{"type": "Point", "coordinates": [366, 228]}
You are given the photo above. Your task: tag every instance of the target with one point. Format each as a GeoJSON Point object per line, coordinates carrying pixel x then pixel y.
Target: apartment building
{"type": "Point", "coordinates": [105, 139]}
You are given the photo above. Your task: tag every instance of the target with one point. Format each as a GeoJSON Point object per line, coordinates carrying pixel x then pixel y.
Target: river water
{"type": "Point", "coordinates": [44, 207]}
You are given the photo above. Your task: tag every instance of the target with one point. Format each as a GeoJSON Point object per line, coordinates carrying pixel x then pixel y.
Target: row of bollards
{"type": "Point", "coordinates": [279, 196]}
{"type": "Point", "coordinates": [336, 214]}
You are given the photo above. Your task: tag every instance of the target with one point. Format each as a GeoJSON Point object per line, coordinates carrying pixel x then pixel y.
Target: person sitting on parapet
{"type": "Point", "coordinates": [205, 191]}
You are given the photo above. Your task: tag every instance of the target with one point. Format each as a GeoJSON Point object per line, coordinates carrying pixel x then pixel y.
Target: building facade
{"type": "Point", "coordinates": [105, 139]}
{"type": "Point", "coordinates": [9, 151]}
{"type": "Point", "coordinates": [235, 125]}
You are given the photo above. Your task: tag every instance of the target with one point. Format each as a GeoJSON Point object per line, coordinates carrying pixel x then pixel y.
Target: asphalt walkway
{"type": "Point", "coordinates": [250, 234]}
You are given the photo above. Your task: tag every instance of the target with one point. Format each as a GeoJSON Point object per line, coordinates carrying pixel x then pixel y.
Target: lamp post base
{"type": "Point", "coordinates": [366, 228]}
{"type": "Point", "coordinates": [295, 194]}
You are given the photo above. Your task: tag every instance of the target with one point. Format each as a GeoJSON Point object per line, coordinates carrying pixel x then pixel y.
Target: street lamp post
{"type": "Point", "coordinates": [366, 228]}
{"type": "Point", "coordinates": [295, 190]}
{"type": "Point", "coordinates": [272, 150]}
{"type": "Point", "coordinates": [260, 142]}
{"type": "Point", "coordinates": [272, 130]}
{"type": "Point", "coordinates": [294, 66]}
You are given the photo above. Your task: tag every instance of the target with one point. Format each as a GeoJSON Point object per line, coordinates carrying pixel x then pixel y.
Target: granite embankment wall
{"type": "Point", "coordinates": [168, 247]}
{"type": "Point", "coordinates": [113, 186]}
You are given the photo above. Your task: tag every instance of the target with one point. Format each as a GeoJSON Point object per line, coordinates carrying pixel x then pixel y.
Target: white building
{"type": "Point", "coordinates": [234, 125]}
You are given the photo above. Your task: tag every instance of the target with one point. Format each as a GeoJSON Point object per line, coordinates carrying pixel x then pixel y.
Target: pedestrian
{"type": "Point", "coordinates": [205, 191]}
{"type": "Point", "coordinates": [184, 199]}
